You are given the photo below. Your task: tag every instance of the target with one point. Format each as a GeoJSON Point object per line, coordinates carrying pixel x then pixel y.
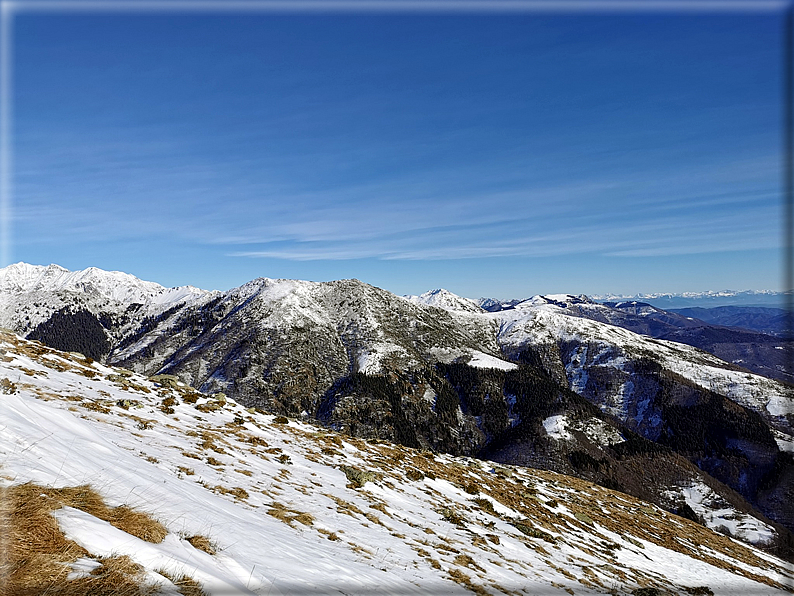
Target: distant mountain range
{"type": "Point", "coordinates": [774, 321]}
{"type": "Point", "coordinates": [702, 299]}
{"type": "Point", "coordinates": [557, 382]}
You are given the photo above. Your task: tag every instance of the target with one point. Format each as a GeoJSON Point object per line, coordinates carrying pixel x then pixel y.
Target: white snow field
{"type": "Point", "coordinates": [294, 509]}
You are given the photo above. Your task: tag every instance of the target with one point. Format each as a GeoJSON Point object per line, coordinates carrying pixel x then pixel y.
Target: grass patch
{"type": "Point", "coordinates": [254, 440]}
{"type": "Point", "coordinates": [208, 407]}
{"type": "Point", "coordinates": [237, 492]}
{"type": "Point", "coordinates": [485, 505]}
{"type": "Point", "coordinates": [202, 543]}
{"type": "Point", "coordinates": [471, 489]}
{"type": "Point", "coordinates": [461, 578]}
{"type": "Point", "coordinates": [451, 516]}
{"type": "Point", "coordinates": [186, 585]}
{"type": "Point", "coordinates": [289, 516]}
{"type": "Point", "coordinates": [414, 475]}
{"type": "Point", "coordinates": [38, 557]}
{"type": "Point", "coordinates": [700, 591]}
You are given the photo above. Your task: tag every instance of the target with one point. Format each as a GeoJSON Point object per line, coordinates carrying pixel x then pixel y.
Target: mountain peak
{"type": "Point", "coordinates": [445, 299]}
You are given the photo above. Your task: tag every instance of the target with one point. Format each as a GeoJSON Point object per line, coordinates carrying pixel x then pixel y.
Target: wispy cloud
{"type": "Point", "coordinates": [707, 209]}
{"type": "Point", "coordinates": [536, 236]}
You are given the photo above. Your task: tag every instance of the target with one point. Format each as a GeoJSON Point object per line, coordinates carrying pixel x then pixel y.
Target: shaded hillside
{"type": "Point", "coordinates": [763, 319]}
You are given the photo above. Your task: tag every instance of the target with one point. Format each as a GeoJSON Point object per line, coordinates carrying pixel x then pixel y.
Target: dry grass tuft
{"type": "Point", "coordinates": [466, 561]}
{"type": "Point", "coordinates": [381, 506]}
{"type": "Point", "coordinates": [137, 523]}
{"type": "Point", "coordinates": [288, 516]}
{"type": "Point", "coordinates": [254, 440]}
{"type": "Point", "coordinates": [83, 497]}
{"type": "Point", "coordinates": [237, 492]}
{"type": "Point", "coordinates": [461, 578]}
{"type": "Point", "coordinates": [37, 555]}
{"type": "Point", "coordinates": [187, 586]}
{"type": "Point", "coordinates": [37, 548]}
{"type": "Point", "coordinates": [116, 576]}
{"type": "Point", "coordinates": [201, 543]}
{"type": "Point", "coordinates": [307, 519]}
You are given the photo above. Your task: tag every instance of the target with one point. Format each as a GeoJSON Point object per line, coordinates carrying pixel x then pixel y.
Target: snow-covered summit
{"type": "Point", "coordinates": [445, 299]}
{"type": "Point", "coordinates": [495, 305]}
{"type": "Point", "coordinates": [561, 300]}
{"type": "Point", "coordinates": [111, 285]}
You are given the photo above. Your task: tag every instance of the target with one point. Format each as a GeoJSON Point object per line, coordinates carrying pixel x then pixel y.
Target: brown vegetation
{"type": "Point", "coordinates": [35, 554]}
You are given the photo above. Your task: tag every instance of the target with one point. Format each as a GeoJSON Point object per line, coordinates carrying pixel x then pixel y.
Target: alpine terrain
{"type": "Point", "coordinates": [115, 483]}
{"type": "Point", "coordinates": [557, 383]}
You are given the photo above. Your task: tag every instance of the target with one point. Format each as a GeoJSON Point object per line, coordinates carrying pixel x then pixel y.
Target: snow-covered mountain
{"type": "Point", "coordinates": [757, 352]}
{"type": "Point", "coordinates": [447, 300]}
{"type": "Point", "coordinates": [110, 285]}
{"type": "Point", "coordinates": [592, 345]}
{"type": "Point", "coordinates": [454, 378]}
{"type": "Point", "coordinates": [494, 305]}
{"type": "Point", "coordinates": [40, 300]}
{"type": "Point", "coordinates": [113, 480]}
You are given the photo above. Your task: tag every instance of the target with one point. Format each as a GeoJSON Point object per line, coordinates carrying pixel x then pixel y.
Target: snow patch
{"type": "Point", "coordinates": [556, 427]}
{"type": "Point", "coordinates": [173, 555]}
{"type": "Point", "coordinates": [483, 360]}
{"type": "Point", "coordinates": [720, 516]}
{"type": "Point", "coordinates": [598, 431]}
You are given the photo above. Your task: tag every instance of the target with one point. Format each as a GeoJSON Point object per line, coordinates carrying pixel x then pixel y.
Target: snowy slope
{"type": "Point", "coordinates": [287, 513]}
{"type": "Point", "coordinates": [298, 348]}
{"type": "Point", "coordinates": [534, 323]}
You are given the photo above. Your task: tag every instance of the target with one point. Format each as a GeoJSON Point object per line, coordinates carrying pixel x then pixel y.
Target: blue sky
{"type": "Point", "coordinates": [491, 154]}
